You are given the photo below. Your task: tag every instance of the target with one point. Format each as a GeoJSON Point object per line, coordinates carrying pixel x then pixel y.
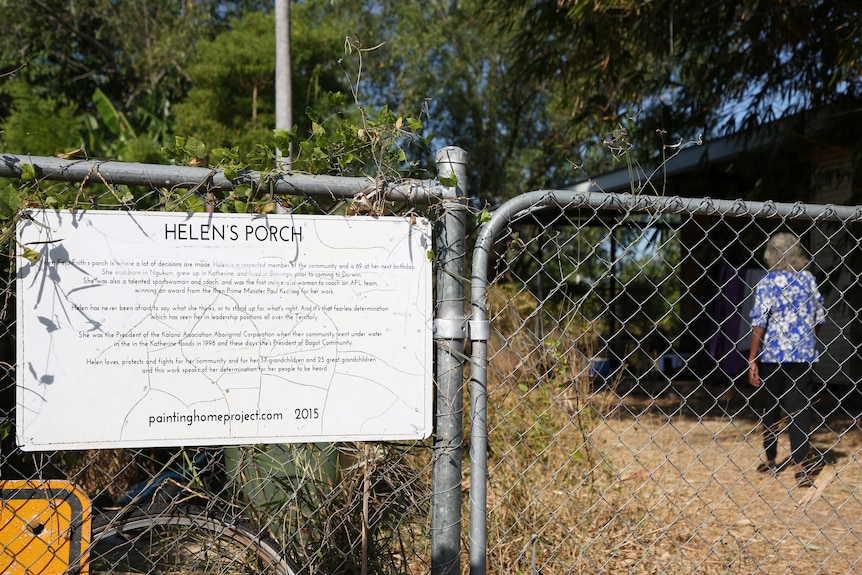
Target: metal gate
{"type": "Point", "coordinates": [612, 426]}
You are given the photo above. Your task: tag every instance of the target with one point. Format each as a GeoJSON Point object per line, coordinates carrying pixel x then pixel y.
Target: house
{"type": "Point", "coordinates": [806, 159]}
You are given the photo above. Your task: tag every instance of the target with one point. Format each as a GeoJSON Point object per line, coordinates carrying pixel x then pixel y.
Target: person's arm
{"type": "Point", "coordinates": [756, 341]}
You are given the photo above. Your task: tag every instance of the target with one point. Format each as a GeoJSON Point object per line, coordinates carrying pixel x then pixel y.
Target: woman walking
{"type": "Point", "coordinates": [786, 317]}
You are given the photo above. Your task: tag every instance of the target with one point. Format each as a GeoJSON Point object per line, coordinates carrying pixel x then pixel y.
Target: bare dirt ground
{"type": "Point", "coordinates": [690, 455]}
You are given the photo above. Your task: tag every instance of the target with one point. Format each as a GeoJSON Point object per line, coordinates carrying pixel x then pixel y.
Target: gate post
{"type": "Point", "coordinates": [450, 331]}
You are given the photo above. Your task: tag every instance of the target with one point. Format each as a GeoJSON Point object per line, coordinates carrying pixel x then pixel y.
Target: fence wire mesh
{"type": "Point", "coordinates": [329, 508]}
{"type": "Point", "coordinates": [622, 436]}
{"type": "Point", "coordinates": [622, 433]}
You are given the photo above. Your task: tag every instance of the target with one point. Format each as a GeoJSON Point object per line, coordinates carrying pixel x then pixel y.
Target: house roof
{"type": "Point", "coordinates": [683, 158]}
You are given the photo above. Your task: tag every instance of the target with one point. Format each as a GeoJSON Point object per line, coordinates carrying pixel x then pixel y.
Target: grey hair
{"type": "Point", "coordinates": [784, 252]}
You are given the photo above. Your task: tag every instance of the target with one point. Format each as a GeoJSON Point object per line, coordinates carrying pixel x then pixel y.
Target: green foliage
{"type": "Point", "coordinates": [39, 125]}
{"type": "Point", "coordinates": [10, 200]}
{"type": "Point", "coordinates": [449, 181]}
{"type": "Point", "coordinates": [128, 49]}
{"type": "Point", "coordinates": [188, 151]}
{"type": "Point", "coordinates": [28, 173]}
{"type": "Point", "coordinates": [113, 120]}
{"type": "Point", "coordinates": [442, 59]}
{"type": "Point", "coordinates": [111, 133]}
{"type": "Point", "coordinates": [685, 67]}
{"type": "Point", "coordinates": [376, 144]}
{"type": "Point", "coordinates": [231, 102]}
{"type": "Point", "coordinates": [532, 90]}
{"type": "Point", "coordinates": [232, 98]}
{"type": "Point", "coordinates": [559, 356]}
{"type": "Point", "coordinates": [381, 145]}
{"type": "Point", "coordinates": [322, 499]}
{"type": "Point", "coordinates": [101, 74]}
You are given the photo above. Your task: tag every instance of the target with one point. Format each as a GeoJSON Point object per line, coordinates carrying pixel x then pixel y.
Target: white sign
{"type": "Point", "coordinates": [163, 329]}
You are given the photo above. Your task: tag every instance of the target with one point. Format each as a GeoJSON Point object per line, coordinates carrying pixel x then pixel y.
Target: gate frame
{"type": "Point", "coordinates": [480, 325]}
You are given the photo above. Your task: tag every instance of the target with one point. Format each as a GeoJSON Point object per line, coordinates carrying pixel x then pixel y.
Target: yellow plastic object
{"type": "Point", "coordinates": [44, 528]}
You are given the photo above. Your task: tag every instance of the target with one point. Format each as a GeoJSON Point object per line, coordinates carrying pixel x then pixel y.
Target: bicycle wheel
{"type": "Point", "coordinates": [175, 539]}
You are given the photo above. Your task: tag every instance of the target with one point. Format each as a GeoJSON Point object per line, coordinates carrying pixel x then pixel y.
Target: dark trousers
{"type": "Point", "coordinates": [789, 386]}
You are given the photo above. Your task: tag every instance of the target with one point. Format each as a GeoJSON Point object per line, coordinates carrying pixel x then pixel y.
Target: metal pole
{"type": "Point", "coordinates": [283, 87]}
{"type": "Point", "coordinates": [100, 172]}
{"type": "Point", "coordinates": [414, 192]}
{"type": "Point", "coordinates": [450, 332]}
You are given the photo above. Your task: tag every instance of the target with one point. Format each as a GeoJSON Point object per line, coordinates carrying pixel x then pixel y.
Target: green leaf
{"type": "Point", "coordinates": [243, 191]}
{"type": "Point", "coordinates": [125, 194]}
{"type": "Point", "coordinates": [284, 138]}
{"type": "Point", "coordinates": [484, 216]}
{"type": "Point", "coordinates": [414, 124]}
{"type": "Point", "coordinates": [30, 254]}
{"type": "Point", "coordinates": [106, 111]}
{"type": "Point", "coordinates": [386, 115]}
{"type": "Point", "coordinates": [28, 172]}
{"type": "Point", "coordinates": [175, 151]}
{"type": "Point", "coordinates": [6, 428]}
{"type": "Point", "coordinates": [225, 155]}
{"type": "Point", "coordinates": [10, 199]}
{"type": "Point", "coordinates": [195, 148]}
{"type": "Point", "coordinates": [450, 181]}
{"type": "Point", "coordinates": [312, 114]}
{"type": "Point", "coordinates": [193, 203]}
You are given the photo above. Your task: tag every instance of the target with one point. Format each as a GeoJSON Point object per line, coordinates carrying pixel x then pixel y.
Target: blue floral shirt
{"type": "Point", "coordinates": [789, 306]}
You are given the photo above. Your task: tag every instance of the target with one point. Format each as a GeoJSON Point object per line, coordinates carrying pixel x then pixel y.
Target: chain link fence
{"type": "Point", "coordinates": [280, 508]}
{"type": "Point", "coordinates": [611, 426]}
{"type": "Point", "coordinates": [614, 429]}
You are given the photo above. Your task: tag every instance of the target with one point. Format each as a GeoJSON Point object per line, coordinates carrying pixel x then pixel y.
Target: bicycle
{"type": "Point", "coordinates": [50, 527]}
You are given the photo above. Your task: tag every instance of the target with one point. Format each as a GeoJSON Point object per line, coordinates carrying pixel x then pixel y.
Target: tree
{"type": "Point", "coordinates": [443, 61]}
{"type": "Point", "coordinates": [127, 48]}
{"type": "Point", "coordinates": [686, 67]}
{"type": "Point", "coordinates": [134, 52]}
{"type": "Point", "coordinates": [538, 90]}
{"type": "Point", "coordinates": [231, 100]}
{"type": "Point", "coordinates": [534, 90]}
{"type": "Point", "coordinates": [48, 126]}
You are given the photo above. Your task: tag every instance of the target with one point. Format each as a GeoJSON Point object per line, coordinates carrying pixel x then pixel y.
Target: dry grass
{"type": "Point", "coordinates": [630, 480]}
{"type": "Point", "coordinates": [582, 480]}
{"type": "Point", "coordinates": [641, 491]}
{"type": "Point", "coordinates": [348, 509]}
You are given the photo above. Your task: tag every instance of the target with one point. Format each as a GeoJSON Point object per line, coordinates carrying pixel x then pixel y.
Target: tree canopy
{"type": "Point", "coordinates": [534, 90]}
{"type": "Point", "coordinates": [717, 66]}
{"type": "Point", "coordinates": [538, 90]}
{"type": "Point", "coordinates": [126, 48]}
{"type": "Point", "coordinates": [65, 57]}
